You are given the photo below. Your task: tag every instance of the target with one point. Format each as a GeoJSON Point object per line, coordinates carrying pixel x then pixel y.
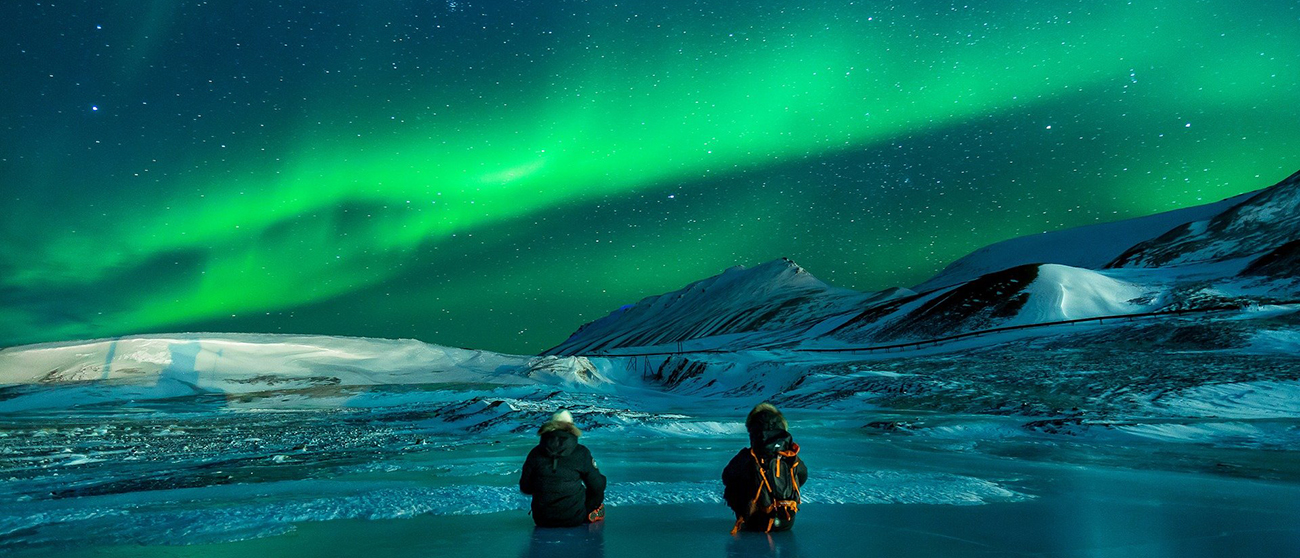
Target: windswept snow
{"type": "Point", "coordinates": [1068, 293]}
{"type": "Point", "coordinates": [1242, 400]}
{"type": "Point", "coordinates": [1090, 247]}
{"type": "Point", "coordinates": [740, 307]}
{"type": "Point", "coordinates": [228, 361]}
{"type": "Point", "coordinates": [288, 370]}
{"type": "Point", "coordinates": [1261, 223]}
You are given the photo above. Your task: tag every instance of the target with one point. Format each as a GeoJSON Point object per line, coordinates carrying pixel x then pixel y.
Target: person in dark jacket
{"type": "Point", "coordinates": [567, 488]}
{"type": "Point", "coordinates": [762, 482]}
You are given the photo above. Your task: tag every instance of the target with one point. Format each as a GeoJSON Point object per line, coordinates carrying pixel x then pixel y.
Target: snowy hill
{"type": "Point", "coordinates": [1257, 221]}
{"type": "Point", "coordinates": [1281, 263]}
{"type": "Point", "coordinates": [780, 304]}
{"type": "Point", "coordinates": [766, 303]}
{"type": "Point", "coordinates": [1027, 294]}
{"type": "Point", "coordinates": [1089, 247]}
{"type": "Point", "coordinates": [1262, 222]}
{"type": "Point", "coordinates": [285, 367]}
{"type": "Point", "coordinates": [1185, 259]}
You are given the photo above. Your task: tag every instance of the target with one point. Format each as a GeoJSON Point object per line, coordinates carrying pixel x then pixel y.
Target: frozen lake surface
{"type": "Point", "coordinates": [282, 446]}
{"type": "Point", "coordinates": [869, 493]}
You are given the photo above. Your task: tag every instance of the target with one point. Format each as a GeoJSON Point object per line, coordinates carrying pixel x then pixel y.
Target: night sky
{"type": "Point", "coordinates": [492, 174]}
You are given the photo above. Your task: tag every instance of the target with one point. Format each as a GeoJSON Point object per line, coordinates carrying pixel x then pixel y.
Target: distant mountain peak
{"type": "Point", "coordinates": [770, 296]}
{"type": "Point", "coordinates": [771, 267]}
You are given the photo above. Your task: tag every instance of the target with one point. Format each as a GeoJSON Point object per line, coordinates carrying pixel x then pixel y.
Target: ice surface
{"type": "Point", "coordinates": [246, 496]}
{"type": "Point", "coordinates": [191, 440]}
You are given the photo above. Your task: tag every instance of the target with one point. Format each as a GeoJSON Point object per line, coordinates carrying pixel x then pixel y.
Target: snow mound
{"type": "Point", "coordinates": [1068, 293]}
{"type": "Point", "coordinates": [220, 358]}
{"type": "Point", "coordinates": [1022, 295]}
{"type": "Point", "coordinates": [565, 371]}
{"type": "Point", "coordinates": [168, 366]}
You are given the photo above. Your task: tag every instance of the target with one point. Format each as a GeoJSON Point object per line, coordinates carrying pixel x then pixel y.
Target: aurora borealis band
{"type": "Point", "coordinates": [494, 174]}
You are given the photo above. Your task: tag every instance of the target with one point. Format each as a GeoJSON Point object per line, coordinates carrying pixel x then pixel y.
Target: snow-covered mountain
{"type": "Point", "coordinates": [780, 304]}
{"type": "Point", "coordinates": [1089, 247]}
{"type": "Point", "coordinates": [745, 307]}
{"type": "Point", "coordinates": [1281, 263]}
{"type": "Point", "coordinates": [1237, 251]}
{"type": "Point", "coordinates": [1026, 294]}
{"type": "Point", "coordinates": [1263, 222]}
{"type": "Point", "coordinates": [279, 370]}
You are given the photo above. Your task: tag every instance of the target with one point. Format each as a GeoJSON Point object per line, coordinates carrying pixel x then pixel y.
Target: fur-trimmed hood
{"type": "Point", "coordinates": [559, 438]}
{"type": "Point", "coordinates": [559, 426]}
{"type": "Point", "coordinates": [765, 416]}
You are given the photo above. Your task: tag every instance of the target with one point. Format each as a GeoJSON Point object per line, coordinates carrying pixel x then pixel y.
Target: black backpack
{"type": "Point", "coordinates": [776, 497]}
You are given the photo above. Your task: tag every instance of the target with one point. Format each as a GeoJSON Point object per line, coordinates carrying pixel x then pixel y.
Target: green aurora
{"type": "Point", "coordinates": [494, 174]}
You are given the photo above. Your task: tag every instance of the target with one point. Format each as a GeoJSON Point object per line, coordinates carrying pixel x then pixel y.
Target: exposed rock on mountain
{"type": "Point", "coordinates": [1261, 223]}
{"type": "Point", "coordinates": [1281, 262]}
{"type": "Point", "coordinates": [762, 304]}
{"type": "Point", "coordinates": [1199, 263]}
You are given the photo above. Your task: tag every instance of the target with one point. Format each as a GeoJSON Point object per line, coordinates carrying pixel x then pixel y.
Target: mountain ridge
{"type": "Point", "coordinates": [1207, 269]}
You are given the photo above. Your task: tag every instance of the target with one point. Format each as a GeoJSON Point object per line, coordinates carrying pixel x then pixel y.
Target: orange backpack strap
{"type": "Point", "coordinates": [758, 494]}
{"type": "Point", "coordinates": [794, 481]}
{"type": "Point", "coordinates": [762, 480]}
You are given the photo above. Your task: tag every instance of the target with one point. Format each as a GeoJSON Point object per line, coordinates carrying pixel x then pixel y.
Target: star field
{"type": "Point", "coordinates": [495, 174]}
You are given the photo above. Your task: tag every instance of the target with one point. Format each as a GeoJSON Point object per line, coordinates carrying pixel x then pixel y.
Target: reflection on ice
{"type": "Point", "coordinates": [586, 541]}
{"type": "Point", "coordinates": [763, 545]}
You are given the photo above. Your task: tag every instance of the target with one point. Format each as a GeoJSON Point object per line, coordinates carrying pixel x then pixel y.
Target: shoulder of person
{"type": "Point", "coordinates": [742, 455]}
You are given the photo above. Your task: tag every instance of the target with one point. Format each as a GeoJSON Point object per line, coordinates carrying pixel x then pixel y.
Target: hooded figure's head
{"type": "Point", "coordinates": [767, 430]}
{"type": "Point", "coordinates": [559, 435]}
{"type": "Point", "coordinates": [562, 415]}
